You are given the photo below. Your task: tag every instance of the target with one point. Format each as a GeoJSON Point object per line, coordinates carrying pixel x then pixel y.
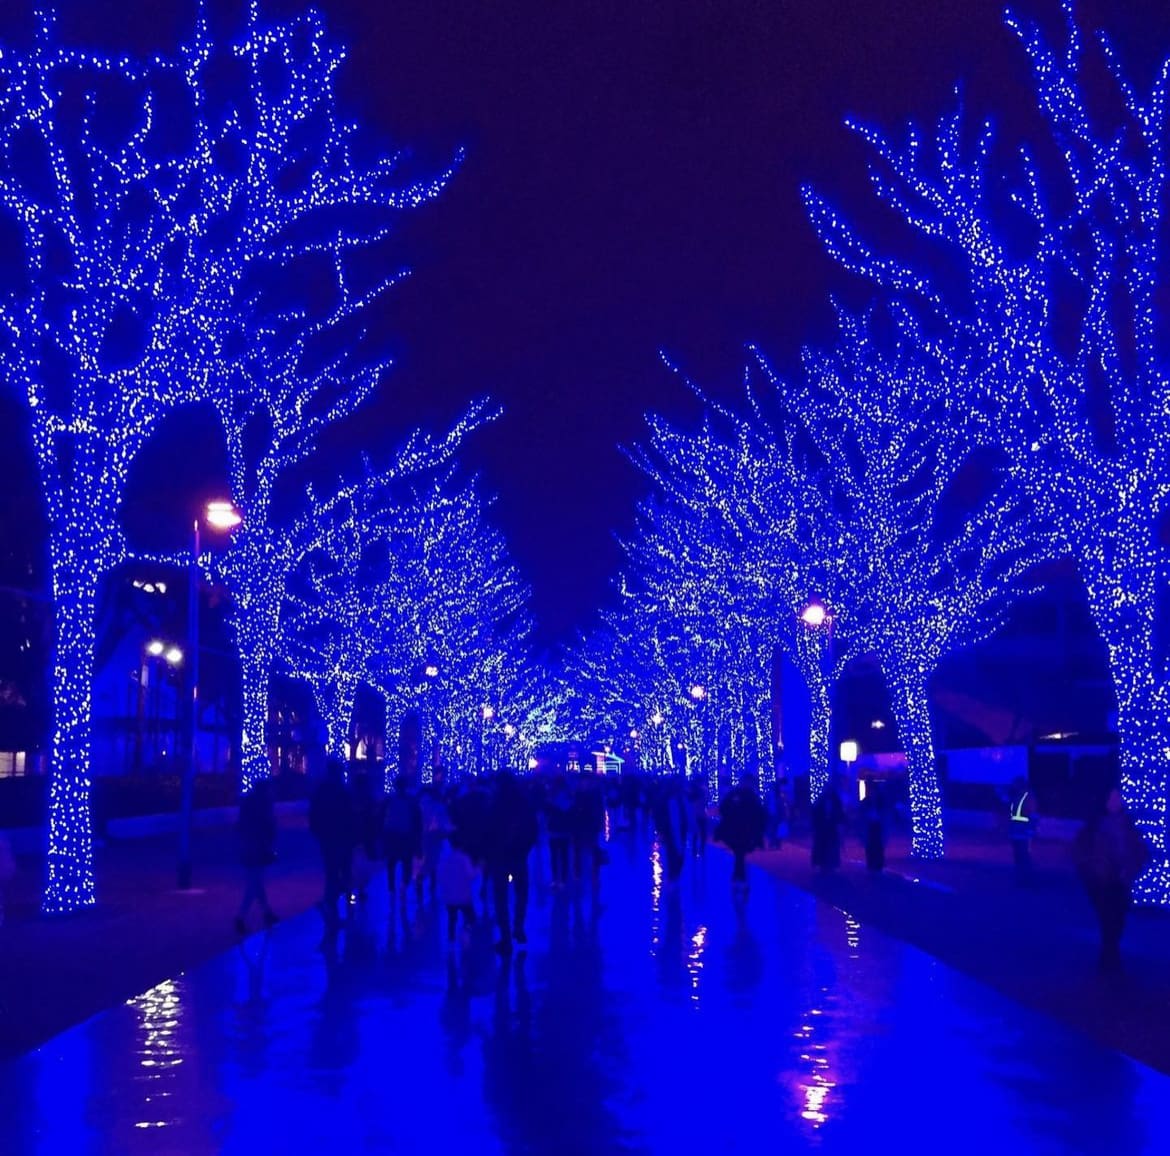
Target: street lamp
{"type": "Point", "coordinates": [849, 751]}
{"type": "Point", "coordinates": [223, 516]}
{"type": "Point", "coordinates": [171, 655]}
{"type": "Point", "coordinates": [428, 731]}
{"type": "Point", "coordinates": [698, 695]}
{"type": "Point", "coordinates": [486, 714]}
{"type": "Point", "coordinates": [815, 614]}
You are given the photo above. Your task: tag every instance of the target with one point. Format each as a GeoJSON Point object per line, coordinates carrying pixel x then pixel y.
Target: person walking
{"type": "Point", "coordinates": [257, 827]}
{"type": "Point", "coordinates": [778, 813]}
{"type": "Point", "coordinates": [367, 812]}
{"type": "Point", "coordinates": [873, 825]}
{"type": "Point", "coordinates": [470, 812]}
{"type": "Point", "coordinates": [672, 820]}
{"type": "Point", "coordinates": [401, 836]}
{"type": "Point", "coordinates": [743, 823]}
{"type": "Point", "coordinates": [560, 831]}
{"type": "Point", "coordinates": [455, 879]}
{"type": "Point", "coordinates": [332, 824]}
{"type": "Point", "coordinates": [587, 818]}
{"type": "Point", "coordinates": [1109, 855]}
{"type": "Point", "coordinates": [828, 813]}
{"type": "Point", "coordinates": [1023, 817]}
{"type": "Point", "coordinates": [699, 818]}
{"type": "Point", "coordinates": [512, 835]}
{"type": "Point", "coordinates": [435, 823]}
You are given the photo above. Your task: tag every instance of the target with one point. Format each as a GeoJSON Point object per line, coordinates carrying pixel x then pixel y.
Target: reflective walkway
{"type": "Point", "coordinates": [659, 1025]}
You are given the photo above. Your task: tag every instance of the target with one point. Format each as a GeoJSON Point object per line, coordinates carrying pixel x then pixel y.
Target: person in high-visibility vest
{"type": "Point", "coordinates": [1022, 819]}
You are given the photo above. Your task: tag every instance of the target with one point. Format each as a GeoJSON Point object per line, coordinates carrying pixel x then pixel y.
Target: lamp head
{"type": "Point", "coordinates": [222, 515]}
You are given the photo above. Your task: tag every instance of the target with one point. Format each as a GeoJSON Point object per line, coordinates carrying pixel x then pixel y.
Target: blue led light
{"type": "Point", "coordinates": [142, 258]}
{"type": "Point", "coordinates": [1056, 292]}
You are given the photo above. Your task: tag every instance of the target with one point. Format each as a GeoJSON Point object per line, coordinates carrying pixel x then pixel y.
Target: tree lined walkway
{"type": "Point", "coordinates": [56, 972]}
{"type": "Point", "coordinates": [1037, 944]}
{"type": "Point", "coordinates": [661, 1023]}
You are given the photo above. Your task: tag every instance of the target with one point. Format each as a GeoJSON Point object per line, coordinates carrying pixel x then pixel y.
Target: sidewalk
{"type": "Point", "coordinates": [1036, 944]}
{"type": "Point", "coordinates": [656, 1022]}
{"type": "Point", "coordinates": [57, 972]}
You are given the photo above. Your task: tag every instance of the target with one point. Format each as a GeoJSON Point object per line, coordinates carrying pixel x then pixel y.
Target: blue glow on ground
{"type": "Point", "coordinates": [665, 1024]}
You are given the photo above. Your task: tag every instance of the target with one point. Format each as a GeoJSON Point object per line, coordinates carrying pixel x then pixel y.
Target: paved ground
{"type": "Point", "coordinates": [1036, 944]}
{"type": "Point", "coordinates": [659, 1024]}
{"type": "Point", "coordinates": [55, 973]}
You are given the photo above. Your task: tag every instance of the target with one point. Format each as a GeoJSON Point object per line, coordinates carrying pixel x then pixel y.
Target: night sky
{"type": "Point", "coordinates": [632, 183]}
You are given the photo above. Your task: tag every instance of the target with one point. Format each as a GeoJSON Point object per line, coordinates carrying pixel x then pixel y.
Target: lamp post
{"type": "Point", "coordinates": [656, 721]}
{"type": "Point", "coordinates": [218, 515]}
{"type": "Point", "coordinates": [165, 654]}
{"type": "Point", "coordinates": [486, 714]}
{"type": "Point", "coordinates": [817, 619]}
{"type": "Point", "coordinates": [698, 693]}
{"type": "Point", "coordinates": [428, 739]}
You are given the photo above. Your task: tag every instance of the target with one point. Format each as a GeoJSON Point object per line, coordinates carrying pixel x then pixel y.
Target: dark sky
{"type": "Point", "coordinates": [631, 183]}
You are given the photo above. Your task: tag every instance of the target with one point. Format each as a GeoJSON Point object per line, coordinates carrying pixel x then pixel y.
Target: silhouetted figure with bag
{"type": "Point", "coordinates": [512, 835]}
{"type": "Point", "coordinates": [332, 821]}
{"type": "Point", "coordinates": [743, 823]}
{"type": "Point", "coordinates": [1109, 855]}
{"type": "Point", "coordinates": [257, 826]}
{"type": "Point", "coordinates": [828, 813]}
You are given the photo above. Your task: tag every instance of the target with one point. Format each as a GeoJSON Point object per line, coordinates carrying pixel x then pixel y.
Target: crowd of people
{"type": "Point", "coordinates": [468, 846]}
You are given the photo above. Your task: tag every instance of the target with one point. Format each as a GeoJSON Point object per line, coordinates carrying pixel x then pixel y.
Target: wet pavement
{"type": "Point", "coordinates": [657, 1024]}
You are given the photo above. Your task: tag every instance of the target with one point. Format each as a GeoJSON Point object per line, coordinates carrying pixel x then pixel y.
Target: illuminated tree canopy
{"type": "Point", "coordinates": [933, 541]}
{"type": "Point", "coordinates": [1049, 266]}
{"type": "Point", "coordinates": [146, 253]}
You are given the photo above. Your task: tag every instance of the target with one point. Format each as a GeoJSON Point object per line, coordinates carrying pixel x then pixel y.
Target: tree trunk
{"type": "Point", "coordinates": [70, 883]}
{"type": "Point", "coordinates": [911, 710]}
{"type": "Point", "coordinates": [1143, 727]}
{"type": "Point", "coordinates": [820, 701]}
{"type": "Point", "coordinates": [1126, 613]}
{"type": "Point", "coordinates": [255, 675]}
{"type": "Point", "coordinates": [334, 699]}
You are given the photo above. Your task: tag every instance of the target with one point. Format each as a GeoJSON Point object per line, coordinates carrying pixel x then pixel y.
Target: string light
{"type": "Point", "coordinates": [886, 413]}
{"type": "Point", "coordinates": [398, 590]}
{"type": "Point", "coordinates": [145, 268]}
{"type": "Point", "coordinates": [726, 554]}
{"type": "Point", "coordinates": [1057, 292]}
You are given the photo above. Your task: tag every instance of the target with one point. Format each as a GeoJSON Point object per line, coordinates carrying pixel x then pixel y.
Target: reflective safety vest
{"type": "Point", "coordinates": [1023, 822]}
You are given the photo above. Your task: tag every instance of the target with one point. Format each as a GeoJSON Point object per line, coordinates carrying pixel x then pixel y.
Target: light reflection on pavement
{"type": "Point", "coordinates": [664, 1022]}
